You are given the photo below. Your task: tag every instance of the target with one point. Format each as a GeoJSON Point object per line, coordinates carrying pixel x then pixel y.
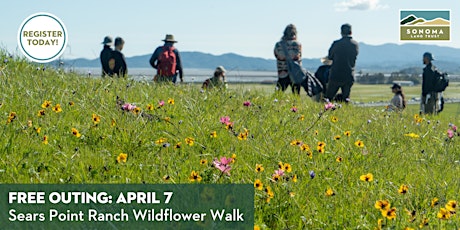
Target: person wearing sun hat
{"type": "Point", "coordinates": [217, 81]}
{"type": "Point", "coordinates": [106, 56]}
{"type": "Point", "coordinates": [429, 94]}
{"type": "Point", "coordinates": [167, 61]}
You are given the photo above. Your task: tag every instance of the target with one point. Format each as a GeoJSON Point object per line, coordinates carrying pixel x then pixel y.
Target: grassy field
{"type": "Point", "coordinates": [344, 168]}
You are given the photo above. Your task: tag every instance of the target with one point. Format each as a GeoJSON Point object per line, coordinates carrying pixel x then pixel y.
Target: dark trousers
{"type": "Point", "coordinates": [283, 83]}
{"type": "Point", "coordinates": [333, 87]}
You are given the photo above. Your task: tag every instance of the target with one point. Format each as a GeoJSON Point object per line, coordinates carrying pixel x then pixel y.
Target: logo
{"type": "Point", "coordinates": [424, 25]}
{"type": "Point", "coordinates": [42, 37]}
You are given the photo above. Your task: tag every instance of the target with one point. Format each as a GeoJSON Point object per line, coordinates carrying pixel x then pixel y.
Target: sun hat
{"type": "Point", "coordinates": [107, 40]}
{"type": "Point", "coordinates": [220, 69]}
{"type": "Point", "coordinates": [169, 38]}
{"type": "Point", "coordinates": [326, 61]}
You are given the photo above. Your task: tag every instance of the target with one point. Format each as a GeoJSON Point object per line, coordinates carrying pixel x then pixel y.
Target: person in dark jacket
{"type": "Point", "coordinates": [429, 95]}
{"type": "Point", "coordinates": [322, 73]}
{"type": "Point", "coordinates": [343, 54]}
{"type": "Point", "coordinates": [120, 69]}
{"type": "Point", "coordinates": [106, 56]}
{"type": "Point", "coordinates": [156, 63]}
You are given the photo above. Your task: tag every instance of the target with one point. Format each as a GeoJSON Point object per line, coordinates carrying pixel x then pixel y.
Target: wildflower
{"type": "Point", "coordinates": [403, 189]}
{"type": "Point", "coordinates": [259, 168]}
{"type": "Point", "coordinates": [295, 142]}
{"type": "Point", "coordinates": [443, 214]}
{"type": "Point", "coordinates": [46, 104]}
{"type": "Point", "coordinates": [316, 132]}
{"type": "Point", "coordinates": [411, 214]}
{"type": "Point", "coordinates": [367, 177]}
{"type": "Point", "coordinates": [451, 206]}
{"type": "Point", "coordinates": [334, 119]}
{"type": "Point", "coordinates": [161, 141]}
{"type": "Point", "coordinates": [242, 136]}
{"type": "Point", "coordinates": [347, 133]}
{"type": "Point", "coordinates": [258, 185]}
{"type": "Point", "coordinates": [149, 107]}
{"type": "Point", "coordinates": [57, 108]}
{"type": "Point", "coordinates": [29, 123]}
{"type": "Point", "coordinates": [301, 118]}
{"type": "Point", "coordinates": [320, 147]}
{"type": "Point", "coordinates": [233, 158]}
{"type": "Point", "coordinates": [337, 137]}
{"type": "Point", "coordinates": [280, 165]}
{"type": "Point", "coordinates": [166, 178]}
{"type": "Point", "coordinates": [312, 174]}
{"type": "Point", "coordinates": [339, 159]}
{"type": "Point", "coordinates": [269, 192]}
{"type": "Point", "coordinates": [294, 109]}
{"type": "Point", "coordinates": [203, 162]}
{"type": "Point", "coordinates": [434, 202]}
{"type": "Point", "coordinates": [408, 228]}
{"type": "Point", "coordinates": [276, 177]}
{"type": "Point", "coordinates": [292, 194]}
{"type": "Point", "coordinates": [304, 147]}
{"type": "Point", "coordinates": [450, 134]}
{"type": "Point", "coordinates": [213, 134]}
{"type": "Point", "coordinates": [279, 172]}
{"type": "Point", "coordinates": [71, 103]}
{"type": "Point", "coordinates": [247, 103]}
{"type": "Point", "coordinates": [287, 167]}
{"type": "Point", "coordinates": [256, 227]}
{"type": "Point", "coordinates": [328, 106]}
{"type": "Point", "coordinates": [413, 135]}
{"type": "Point", "coordinates": [389, 213]}
{"type": "Point", "coordinates": [76, 133]}
{"type": "Point", "coordinates": [96, 118]}
{"type": "Point", "coordinates": [167, 119]}
{"type": "Point", "coordinates": [223, 164]}
{"type": "Point", "coordinates": [161, 103]}
{"type": "Point", "coordinates": [190, 141]}
{"type": "Point", "coordinates": [330, 192]}
{"type": "Point", "coordinates": [424, 222]}
{"type": "Point", "coordinates": [229, 126]}
{"type": "Point", "coordinates": [171, 101]}
{"type": "Point", "coordinates": [382, 205]}
{"type": "Point", "coordinates": [41, 113]}
{"type": "Point", "coordinates": [359, 143]}
{"type": "Point", "coordinates": [380, 224]}
{"type": "Point", "coordinates": [137, 110]}
{"type": "Point", "coordinates": [45, 140]}
{"type": "Point", "coordinates": [194, 176]}
{"type": "Point", "coordinates": [114, 123]}
{"type": "Point", "coordinates": [122, 157]}
{"type": "Point", "coordinates": [454, 127]}
{"type": "Point", "coordinates": [225, 120]}
{"type": "Point", "coordinates": [178, 145]}
{"type": "Point", "coordinates": [38, 130]}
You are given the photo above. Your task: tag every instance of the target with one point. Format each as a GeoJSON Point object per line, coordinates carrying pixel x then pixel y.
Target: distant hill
{"type": "Point", "coordinates": [372, 58]}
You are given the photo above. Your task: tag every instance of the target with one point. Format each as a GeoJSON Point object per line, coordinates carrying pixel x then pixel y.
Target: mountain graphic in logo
{"type": "Point", "coordinates": [413, 20]}
{"type": "Point", "coordinates": [424, 25]}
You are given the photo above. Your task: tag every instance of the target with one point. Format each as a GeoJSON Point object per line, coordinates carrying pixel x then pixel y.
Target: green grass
{"type": "Point", "coordinates": [429, 165]}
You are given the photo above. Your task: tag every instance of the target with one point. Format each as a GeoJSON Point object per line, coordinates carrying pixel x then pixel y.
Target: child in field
{"type": "Point", "coordinates": [398, 102]}
{"type": "Point", "coordinates": [217, 81]}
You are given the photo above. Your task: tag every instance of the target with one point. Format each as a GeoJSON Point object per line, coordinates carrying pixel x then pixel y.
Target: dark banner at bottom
{"type": "Point", "coordinates": [126, 206]}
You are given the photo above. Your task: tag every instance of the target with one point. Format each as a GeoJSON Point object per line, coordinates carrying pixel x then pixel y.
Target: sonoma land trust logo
{"type": "Point", "coordinates": [425, 25]}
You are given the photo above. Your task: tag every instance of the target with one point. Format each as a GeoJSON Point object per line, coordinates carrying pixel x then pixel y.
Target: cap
{"type": "Point", "coordinates": [428, 55]}
{"type": "Point", "coordinates": [395, 86]}
{"type": "Point", "coordinates": [107, 40]}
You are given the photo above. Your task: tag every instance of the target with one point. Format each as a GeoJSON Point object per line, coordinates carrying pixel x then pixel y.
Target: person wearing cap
{"type": "Point", "coordinates": [322, 74]}
{"type": "Point", "coordinates": [294, 50]}
{"type": "Point", "coordinates": [217, 81]}
{"type": "Point", "coordinates": [343, 53]}
{"type": "Point", "coordinates": [175, 67]}
{"type": "Point", "coordinates": [120, 69]}
{"type": "Point", "coordinates": [398, 102]}
{"type": "Point", "coordinates": [429, 95]}
{"type": "Point", "coordinates": [106, 56]}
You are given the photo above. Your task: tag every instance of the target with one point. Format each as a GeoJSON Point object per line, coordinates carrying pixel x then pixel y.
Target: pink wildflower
{"type": "Point", "coordinates": [247, 103]}
{"type": "Point", "coordinates": [161, 103]}
{"type": "Point", "coordinates": [225, 120]}
{"type": "Point", "coordinates": [128, 107]}
{"type": "Point", "coordinates": [278, 172]}
{"type": "Point", "coordinates": [328, 106]}
{"type": "Point", "coordinates": [450, 133]}
{"type": "Point", "coordinates": [223, 164]}
{"type": "Point", "coordinates": [294, 109]}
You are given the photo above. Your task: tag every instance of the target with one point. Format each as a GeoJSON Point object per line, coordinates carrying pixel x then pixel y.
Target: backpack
{"type": "Point", "coordinates": [312, 85]}
{"type": "Point", "coordinates": [167, 62]}
{"type": "Point", "coordinates": [441, 81]}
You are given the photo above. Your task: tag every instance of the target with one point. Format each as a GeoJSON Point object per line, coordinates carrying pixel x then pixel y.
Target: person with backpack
{"type": "Point", "coordinates": [106, 57]}
{"type": "Point", "coordinates": [120, 69]}
{"type": "Point", "coordinates": [343, 53]}
{"type": "Point", "coordinates": [166, 59]}
{"type": "Point", "coordinates": [217, 81]}
{"type": "Point", "coordinates": [322, 74]}
{"type": "Point", "coordinates": [429, 102]}
{"type": "Point", "coordinates": [294, 50]}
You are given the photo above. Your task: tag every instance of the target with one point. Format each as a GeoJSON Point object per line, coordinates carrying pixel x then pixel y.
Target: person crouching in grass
{"type": "Point", "coordinates": [217, 81]}
{"type": "Point", "coordinates": [398, 102]}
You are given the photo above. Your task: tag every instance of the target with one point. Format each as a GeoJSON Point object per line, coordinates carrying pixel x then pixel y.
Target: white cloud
{"type": "Point", "coordinates": [359, 5]}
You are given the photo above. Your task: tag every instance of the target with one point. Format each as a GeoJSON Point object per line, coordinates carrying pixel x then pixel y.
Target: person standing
{"type": "Point", "coordinates": [166, 59]}
{"type": "Point", "coordinates": [106, 57]}
{"type": "Point", "coordinates": [121, 69]}
{"type": "Point", "coordinates": [343, 53]}
{"type": "Point", "coordinates": [429, 95]}
{"type": "Point", "coordinates": [294, 49]}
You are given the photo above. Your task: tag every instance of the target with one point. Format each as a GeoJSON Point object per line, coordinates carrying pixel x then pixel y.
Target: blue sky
{"type": "Point", "coordinates": [246, 27]}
